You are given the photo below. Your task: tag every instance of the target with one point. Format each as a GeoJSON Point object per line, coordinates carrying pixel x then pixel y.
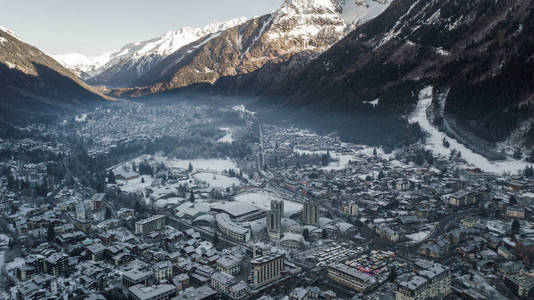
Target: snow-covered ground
{"type": "Point", "coordinates": [80, 118]}
{"type": "Point", "coordinates": [17, 262]}
{"type": "Point", "coordinates": [418, 236]}
{"type": "Point", "coordinates": [216, 180]}
{"type": "Point", "coordinates": [435, 141]}
{"type": "Point", "coordinates": [135, 185]}
{"type": "Point", "coordinates": [341, 160]}
{"type": "Point", "coordinates": [173, 200]}
{"type": "Point", "coordinates": [228, 138]}
{"type": "Point", "coordinates": [216, 164]}
{"type": "Point", "coordinates": [496, 226]}
{"type": "Point", "coordinates": [262, 199]}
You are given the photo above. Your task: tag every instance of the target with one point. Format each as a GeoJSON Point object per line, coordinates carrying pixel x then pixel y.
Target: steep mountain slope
{"type": "Point", "coordinates": [121, 68]}
{"type": "Point", "coordinates": [33, 84]}
{"type": "Point", "coordinates": [299, 27]}
{"type": "Point", "coordinates": [479, 55]}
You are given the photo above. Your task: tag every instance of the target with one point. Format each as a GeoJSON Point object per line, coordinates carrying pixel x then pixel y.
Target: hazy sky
{"type": "Point", "coordinates": [92, 27]}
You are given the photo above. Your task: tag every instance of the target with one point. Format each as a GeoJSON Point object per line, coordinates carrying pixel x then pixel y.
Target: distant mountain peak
{"type": "Point", "coordinates": [136, 58]}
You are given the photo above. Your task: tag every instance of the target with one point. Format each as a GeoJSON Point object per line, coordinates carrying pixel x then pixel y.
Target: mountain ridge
{"type": "Point", "coordinates": [299, 27]}
{"type": "Point", "coordinates": [33, 85]}
{"type": "Point", "coordinates": [121, 67]}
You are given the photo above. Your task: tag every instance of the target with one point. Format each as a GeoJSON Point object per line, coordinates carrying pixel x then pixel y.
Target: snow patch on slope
{"type": "Point", "coordinates": [434, 141]}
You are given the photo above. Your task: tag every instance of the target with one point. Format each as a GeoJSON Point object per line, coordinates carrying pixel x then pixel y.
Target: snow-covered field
{"type": "Point", "coordinates": [216, 164]}
{"type": "Point", "coordinates": [217, 181]}
{"type": "Point", "coordinates": [342, 160]}
{"type": "Point", "coordinates": [262, 199]}
{"type": "Point", "coordinates": [212, 164]}
{"type": "Point", "coordinates": [135, 185]}
{"type": "Point", "coordinates": [435, 141]}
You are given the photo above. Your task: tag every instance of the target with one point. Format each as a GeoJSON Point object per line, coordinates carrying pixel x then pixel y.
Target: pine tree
{"type": "Point", "coordinates": [190, 168]}
{"type": "Point", "coordinates": [515, 227]}
{"type": "Point", "coordinates": [111, 177]}
{"type": "Point", "coordinates": [216, 238]}
{"type": "Point", "coordinates": [392, 275]}
{"type": "Point", "coordinates": [517, 154]}
{"type": "Point", "coordinates": [51, 234]}
{"type": "Point", "coordinates": [108, 213]}
{"type": "Point", "coordinates": [512, 200]}
{"type": "Point", "coordinates": [381, 174]}
{"type": "Point", "coordinates": [530, 158]}
{"type": "Point", "coordinates": [306, 234]}
{"type": "Point", "coordinates": [192, 197]}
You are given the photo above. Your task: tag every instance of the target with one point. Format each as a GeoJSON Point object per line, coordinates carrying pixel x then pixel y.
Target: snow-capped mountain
{"type": "Point", "coordinates": [287, 38]}
{"type": "Point", "coordinates": [82, 65]}
{"type": "Point", "coordinates": [133, 60]}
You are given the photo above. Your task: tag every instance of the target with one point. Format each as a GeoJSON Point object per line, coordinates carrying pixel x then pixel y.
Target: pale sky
{"type": "Point", "coordinates": [92, 27]}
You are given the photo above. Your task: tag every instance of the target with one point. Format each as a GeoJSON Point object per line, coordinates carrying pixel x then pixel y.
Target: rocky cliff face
{"type": "Point", "coordinates": [33, 84]}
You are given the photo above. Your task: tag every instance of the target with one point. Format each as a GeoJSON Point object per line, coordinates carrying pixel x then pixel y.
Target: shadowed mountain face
{"type": "Point", "coordinates": [33, 85]}
{"type": "Point", "coordinates": [477, 54]}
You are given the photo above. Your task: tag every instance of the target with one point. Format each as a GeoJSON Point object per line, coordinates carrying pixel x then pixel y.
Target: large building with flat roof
{"type": "Point", "coordinates": [239, 211]}
{"type": "Point", "coordinates": [150, 225]}
{"type": "Point", "coordinates": [232, 229]}
{"type": "Point", "coordinates": [350, 277]}
{"type": "Point", "coordinates": [157, 292]}
{"type": "Point", "coordinates": [431, 280]}
{"type": "Point", "coordinates": [266, 269]}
